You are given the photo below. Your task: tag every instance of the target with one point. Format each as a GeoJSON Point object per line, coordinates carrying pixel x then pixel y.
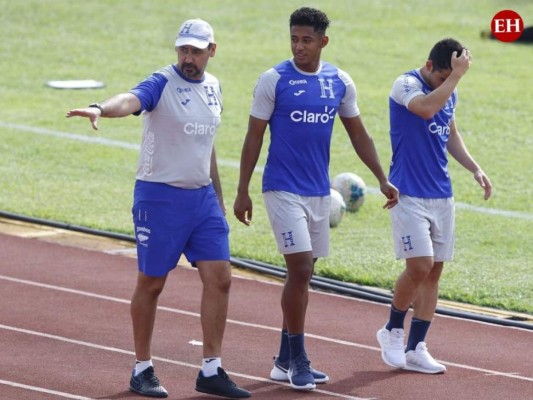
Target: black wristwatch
{"type": "Point", "coordinates": [96, 105]}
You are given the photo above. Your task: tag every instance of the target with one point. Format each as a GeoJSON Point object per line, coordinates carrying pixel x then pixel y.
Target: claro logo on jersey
{"type": "Point", "coordinates": [441, 130]}
{"type": "Point", "coordinates": [194, 128]}
{"type": "Point", "coordinates": [313, 117]}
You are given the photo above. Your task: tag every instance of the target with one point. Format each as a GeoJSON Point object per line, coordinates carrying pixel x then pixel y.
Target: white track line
{"type": "Point", "coordinates": [511, 375]}
{"type": "Point", "coordinates": [161, 359]}
{"type": "Point", "coordinates": [229, 163]}
{"type": "Point", "coordinates": [43, 390]}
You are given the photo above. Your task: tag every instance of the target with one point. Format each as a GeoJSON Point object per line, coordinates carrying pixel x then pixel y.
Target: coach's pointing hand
{"type": "Point", "coordinates": [92, 113]}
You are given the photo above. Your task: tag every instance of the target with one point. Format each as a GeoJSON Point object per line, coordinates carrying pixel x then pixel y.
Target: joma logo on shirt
{"type": "Point", "coordinates": [313, 118]}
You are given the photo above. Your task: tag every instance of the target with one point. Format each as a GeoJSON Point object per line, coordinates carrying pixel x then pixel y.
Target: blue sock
{"type": "Point", "coordinates": [417, 333]}
{"type": "Point", "coordinates": [296, 343]}
{"type": "Point", "coordinates": [396, 319]}
{"type": "Point", "coordinates": [284, 348]}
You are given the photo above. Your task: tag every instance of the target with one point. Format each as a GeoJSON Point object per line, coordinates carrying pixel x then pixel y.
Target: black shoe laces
{"type": "Point", "coordinates": [226, 378]}
{"type": "Point", "coordinates": [151, 378]}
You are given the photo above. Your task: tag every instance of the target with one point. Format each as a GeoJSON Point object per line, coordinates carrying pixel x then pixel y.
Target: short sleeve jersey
{"type": "Point", "coordinates": [301, 109]}
{"type": "Point", "coordinates": [180, 120]}
{"type": "Point", "coordinates": [419, 166]}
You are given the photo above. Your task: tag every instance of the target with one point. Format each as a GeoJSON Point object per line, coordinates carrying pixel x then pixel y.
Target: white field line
{"type": "Point", "coordinates": [95, 139]}
{"type": "Point", "coordinates": [511, 375]}
{"type": "Point", "coordinates": [229, 163]}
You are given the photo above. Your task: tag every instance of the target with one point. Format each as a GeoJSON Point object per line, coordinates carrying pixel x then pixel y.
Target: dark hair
{"type": "Point", "coordinates": [441, 53]}
{"type": "Point", "coordinates": [307, 16]}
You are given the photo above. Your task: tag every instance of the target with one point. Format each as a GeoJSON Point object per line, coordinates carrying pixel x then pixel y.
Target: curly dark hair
{"type": "Point", "coordinates": [307, 16]}
{"type": "Point", "coordinates": [441, 53]}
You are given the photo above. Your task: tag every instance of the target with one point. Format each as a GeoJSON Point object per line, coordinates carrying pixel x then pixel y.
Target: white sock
{"type": "Point", "coordinates": [140, 366]}
{"type": "Point", "coordinates": [210, 366]}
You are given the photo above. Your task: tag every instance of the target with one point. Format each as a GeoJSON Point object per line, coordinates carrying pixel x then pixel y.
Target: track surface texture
{"type": "Point", "coordinates": [65, 332]}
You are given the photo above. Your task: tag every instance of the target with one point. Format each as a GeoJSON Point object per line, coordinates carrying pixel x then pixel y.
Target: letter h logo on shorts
{"type": "Point", "coordinates": [288, 239]}
{"type": "Point", "coordinates": [407, 243]}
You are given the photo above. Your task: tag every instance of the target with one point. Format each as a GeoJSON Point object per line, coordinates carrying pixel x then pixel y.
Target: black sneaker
{"type": "Point", "coordinates": [220, 385]}
{"type": "Point", "coordinates": [147, 384]}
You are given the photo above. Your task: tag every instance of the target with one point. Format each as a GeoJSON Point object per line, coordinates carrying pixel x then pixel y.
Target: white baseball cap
{"type": "Point", "coordinates": [195, 32]}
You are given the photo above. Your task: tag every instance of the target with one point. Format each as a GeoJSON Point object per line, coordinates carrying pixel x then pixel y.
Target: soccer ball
{"type": "Point", "coordinates": [337, 208]}
{"type": "Point", "coordinates": [352, 188]}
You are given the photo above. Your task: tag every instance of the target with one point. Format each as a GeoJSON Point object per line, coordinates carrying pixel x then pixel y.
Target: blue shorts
{"type": "Point", "coordinates": [171, 221]}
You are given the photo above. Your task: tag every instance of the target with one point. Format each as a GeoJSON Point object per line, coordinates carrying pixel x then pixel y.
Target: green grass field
{"type": "Point", "coordinates": [48, 172]}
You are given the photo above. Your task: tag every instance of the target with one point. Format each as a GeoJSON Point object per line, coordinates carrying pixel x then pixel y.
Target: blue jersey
{"type": "Point", "coordinates": [419, 166]}
{"type": "Point", "coordinates": [301, 108]}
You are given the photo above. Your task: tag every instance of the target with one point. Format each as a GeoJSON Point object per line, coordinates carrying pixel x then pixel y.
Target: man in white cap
{"type": "Point", "coordinates": [178, 206]}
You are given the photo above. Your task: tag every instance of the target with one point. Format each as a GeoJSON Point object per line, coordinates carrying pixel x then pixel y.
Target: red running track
{"type": "Point", "coordinates": [65, 333]}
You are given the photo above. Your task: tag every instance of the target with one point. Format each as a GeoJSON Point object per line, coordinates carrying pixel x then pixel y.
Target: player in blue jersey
{"type": "Point", "coordinates": [423, 132]}
{"type": "Point", "coordinates": [178, 205]}
{"type": "Point", "coordinates": [299, 99]}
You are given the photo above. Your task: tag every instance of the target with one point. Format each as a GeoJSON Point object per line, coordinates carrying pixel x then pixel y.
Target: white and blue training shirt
{"type": "Point", "coordinates": [180, 120]}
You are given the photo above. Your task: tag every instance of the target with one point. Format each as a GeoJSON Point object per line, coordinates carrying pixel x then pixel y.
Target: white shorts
{"type": "Point", "coordinates": [299, 223]}
{"type": "Point", "coordinates": [423, 228]}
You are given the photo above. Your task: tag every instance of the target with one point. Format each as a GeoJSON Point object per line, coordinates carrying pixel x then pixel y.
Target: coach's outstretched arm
{"type": "Point", "coordinates": [120, 105]}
